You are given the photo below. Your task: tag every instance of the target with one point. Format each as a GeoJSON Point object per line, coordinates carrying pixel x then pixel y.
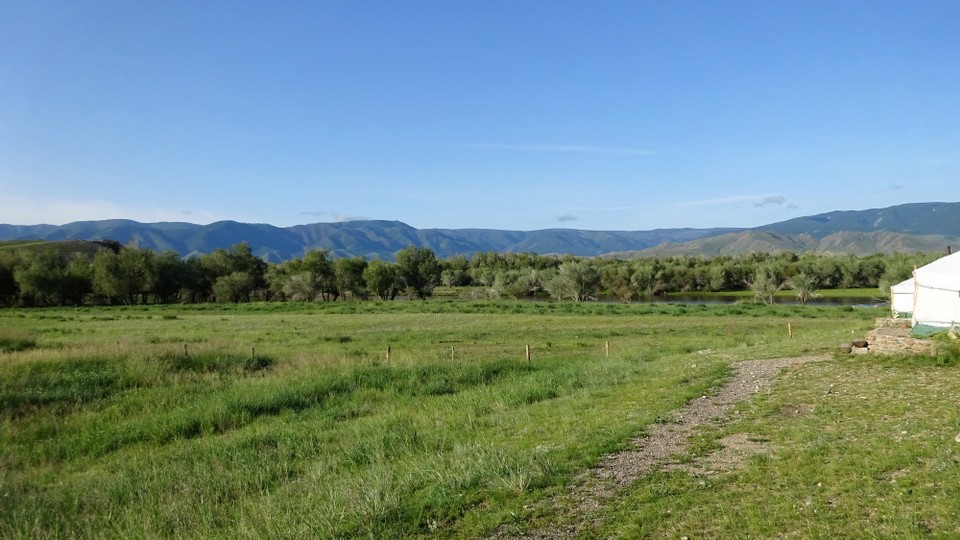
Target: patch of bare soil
{"type": "Point", "coordinates": [734, 451]}
{"type": "Point", "coordinates": [658, 448]}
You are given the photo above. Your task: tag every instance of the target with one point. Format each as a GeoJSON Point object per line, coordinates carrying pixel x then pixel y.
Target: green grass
{"type": "Point", "coordinates": [64, 247]}
{"type": "Point", "coordinates": [859, 447]}
{"type": "Point", "coordinates": [286, 420]}
{"type": "Point", "coordinates": [14, 344]}
{"type": "Point", "coordinates": [13, 244]}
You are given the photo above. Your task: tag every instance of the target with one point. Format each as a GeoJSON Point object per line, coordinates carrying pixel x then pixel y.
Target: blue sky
{"type": "Point", "coordinates": [510, 115]}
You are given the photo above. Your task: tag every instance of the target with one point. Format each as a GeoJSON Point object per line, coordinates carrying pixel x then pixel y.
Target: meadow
{"type": "Point", "coordinates": [289, 420]}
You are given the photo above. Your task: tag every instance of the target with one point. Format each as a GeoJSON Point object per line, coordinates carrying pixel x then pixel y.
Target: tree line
{"type": "Point", "coordinates": [126, 275]}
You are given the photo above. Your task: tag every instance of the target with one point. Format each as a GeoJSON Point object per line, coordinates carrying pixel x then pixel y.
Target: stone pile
{"type": "Point", "coordinates": [857, 346]}
{"type": "Point", "coordinates": [890, 336]}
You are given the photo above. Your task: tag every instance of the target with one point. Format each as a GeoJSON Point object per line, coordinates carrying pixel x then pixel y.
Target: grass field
{"type": "Point", "coordinates": [855, 448]}
{"type": "Point", "coordinates": [287, 420]}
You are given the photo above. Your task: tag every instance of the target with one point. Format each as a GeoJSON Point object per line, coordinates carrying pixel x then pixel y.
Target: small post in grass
{"type": "Point", "coordinates": [606, 348]}
{"type": "Point", "coordinates": [118, 349]}
{"type": "Point", "coordinates": [388, 354]}
{"type": "Point", "coordinates": [528, 353]}
{"type": "Point", "coordinates": [253, 353]}
{"type": "Point", "coordinates": [186, 354]}
{"type": "Point", "coordinates": [790, 329]}
{"type": "Point", "coordinates": [452, 351]}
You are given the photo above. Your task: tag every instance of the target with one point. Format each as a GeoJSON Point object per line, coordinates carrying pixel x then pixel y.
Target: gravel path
{"type": "Point", "coordinates": [654, 449]}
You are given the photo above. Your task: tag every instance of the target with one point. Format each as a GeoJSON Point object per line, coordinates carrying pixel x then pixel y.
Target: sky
{"type": "Point", "coordinates": [519, 115]}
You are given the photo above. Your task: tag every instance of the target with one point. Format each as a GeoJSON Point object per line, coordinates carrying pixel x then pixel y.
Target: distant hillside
{"type": "Point", "coordinates": [938, 218]}
{"type": "Point", "coordinates": [64, 247]}
{"type": "Point", "coordinates": [371, 239]}
{"type": "Point", "coordinates": [918, 227]}
{"type": "Point", "coordinates": [907, 228]}
{"type": "Point", "coordinates": [857, 243]}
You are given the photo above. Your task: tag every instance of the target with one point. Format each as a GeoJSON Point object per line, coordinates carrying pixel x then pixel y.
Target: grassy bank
{"type": "Point", "coordinates": [787, 294]}
{"type": "Point", "coordinates": [286, 420]}
{"type": "Point", "coordinates": [859, 447]}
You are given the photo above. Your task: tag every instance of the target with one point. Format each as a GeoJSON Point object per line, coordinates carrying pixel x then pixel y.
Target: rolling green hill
{"type": "Point", "coordinates": [938, 218]}
{"type": "Point", "coordinates": [857, 243]}
{"type": "Point", "coordinates": [908, 228]}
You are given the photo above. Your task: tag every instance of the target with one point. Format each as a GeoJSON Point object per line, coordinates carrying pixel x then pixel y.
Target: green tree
{"type": "Point", "coordinates": [348, 276]}
{"type": "Point", "coordinates": [720, 277]}
{"type": "Point", "coordinates": [9, 290]}
{"type": "Point", "coordinates": [574, 280]}
{"type": "Point", "coordinates": [321, 271]}
{"type": "Point", "coordinates": [243, 260]}
{"type": "Point", "coordinates": [39, 279]}
{"type": "Point", "coordinates": [643, 276]}
{"type": "Point", "coordinates": [805, 287]}
{"type": "Point", "coordinates": [382, 279]}
{"type": "Point", "coordinates": [764, 286]}
{"type": "Point", "coordinates": [280, 282]}
{"type": "Point", "coordinates": [234, 287]}
{"type": "Point", "coordinates": [483, 275]}
{"type": "Point", "coordinates": [76, 281]}
{"type": "Point", "coordinates": [849, 271]}
{"type": "Point", "coordinates": [616, 278]}
{"type": "Point", "coordinates": [239, 259]}
{"type": "Point", "coordinates": [456, 271]}
{"type": "Point", "coordinates": [419, 271]}
{"type": "Point", "coordinates": [300, 287]}
{"type": "Point", "coordinates": [516, 283]}
{"type": "Point", "coordinates": [195, 286]}
{"type": "Point", "coordinates": [124, 276]}
{"type": "Point", "coordinates": [170, 276]}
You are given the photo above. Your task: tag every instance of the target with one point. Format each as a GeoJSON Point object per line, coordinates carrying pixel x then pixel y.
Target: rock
{"type": "Point", "coordinates": [859, 343]}
{"type": "Point", "coordinates": [860, 350]}
{"type": "Point", "coordinates": [887, 322]}
{"type": "Point", "coordinates": [845, 349]}
{"type": "Point", "coordinates": [897, 341]}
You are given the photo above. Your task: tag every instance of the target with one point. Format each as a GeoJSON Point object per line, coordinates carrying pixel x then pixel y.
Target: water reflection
{"type": "Point", "coordinates": [864, 301]}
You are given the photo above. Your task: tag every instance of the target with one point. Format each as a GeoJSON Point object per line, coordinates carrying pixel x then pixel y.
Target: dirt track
{"type": "Point", "coordinates": [655, 449]}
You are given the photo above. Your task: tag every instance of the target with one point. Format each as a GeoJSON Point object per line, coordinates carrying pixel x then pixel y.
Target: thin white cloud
{"type": "Point", "coordinates": [771, 200]}
{"type": "Point", "coordinates": [564, 149]}
{"type": "Point", "coordinates": [722, 201]}
{"type": "Point", "coordinates": [566, 217]}
{"type": "Point", "coordinates": [684, 205]}
{"type": "Point", "coordinates": [335, 215]}
{"type": "Point", "coordinates": [348, 217]}
{"type": "Point", "coordinates": [35, 210]}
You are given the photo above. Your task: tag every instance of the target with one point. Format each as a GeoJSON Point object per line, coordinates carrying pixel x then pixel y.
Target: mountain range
{"type": "Point", "coordinates": [904, 228]}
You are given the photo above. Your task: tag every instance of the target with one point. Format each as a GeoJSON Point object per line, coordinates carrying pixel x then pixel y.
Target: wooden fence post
{"type": "Point", "coordinates": [388, 354]}
{"type": "Point", "coordinates": [606, 348]}
{"type": "Point", "coordinates": [528, 353]}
